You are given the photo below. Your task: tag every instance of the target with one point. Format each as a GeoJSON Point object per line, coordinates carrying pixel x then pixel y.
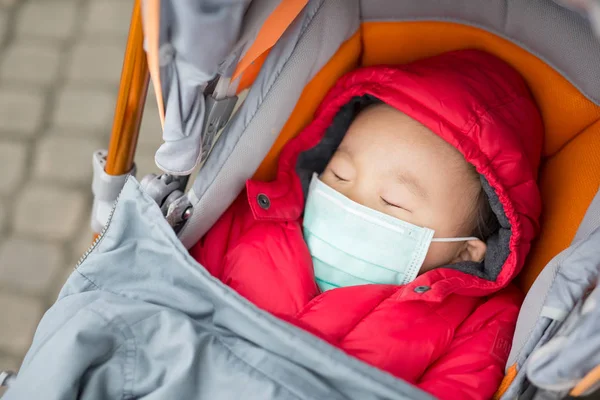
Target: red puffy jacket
{"type": "Point", "coordinates": [449, 331]}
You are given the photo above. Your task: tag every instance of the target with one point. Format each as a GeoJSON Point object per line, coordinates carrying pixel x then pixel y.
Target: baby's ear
{"type": "Point", "coordinates": [471, 250]}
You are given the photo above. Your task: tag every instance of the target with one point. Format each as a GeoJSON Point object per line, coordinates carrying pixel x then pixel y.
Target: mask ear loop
{"type": "Point", "coordinates": [458, 239]}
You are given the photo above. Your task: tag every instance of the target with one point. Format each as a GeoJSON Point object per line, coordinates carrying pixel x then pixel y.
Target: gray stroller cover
{"type": "Point", "coordinates": [139, 318]}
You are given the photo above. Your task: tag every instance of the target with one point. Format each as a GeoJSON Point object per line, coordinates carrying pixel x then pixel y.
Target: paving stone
{"type": "Point", "coordinates": [12, 164]}
{"type": "Point", "coordinates": [65, 159]}
{"type": "Point", "coordinates": [82, 243]}
{"type": "Point", "coordinates": [47, 20]}
{"type": "Point", "coordinates": [8, 363]}
{"type": "Point", "coordinates": [150, 129]}
{"type": "Point", "coordinates": [151, 97]}
{"type": "Point", "coordinates": [31, 63]}
{"type": "Point", "coordinates": [101, 136]}
{"type": "Point", "coordinates": [29, 266]}
{"type": "Point", "coordinates": [3, 24]}
{"type": "Point", "coordinates": [3, 218]}
{"type": "Point", "coordinates": [20, 316]}
{"type": "Point", "coordinates": [144, 160]}
{"type": "Point", "coordinates": [78, 247]}
{"type": "Point", "coordinates": [49, 212]}
{"type": "Point", "coordinates": [108, 17]}
{"type": "Point", "coordinates": [8, 3]}
{"type": "Point", "coordinates": [20, 111]}
{"type": "Point", "coordinates": [97, 62]}
{"type": "Point", "coordinates": [84, 109]}
{"type": "Point", "coordinates": [59, 282]}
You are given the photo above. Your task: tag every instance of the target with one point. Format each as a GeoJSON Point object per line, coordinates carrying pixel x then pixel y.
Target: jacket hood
{"type": "Point", "coordinates": [472, 100]}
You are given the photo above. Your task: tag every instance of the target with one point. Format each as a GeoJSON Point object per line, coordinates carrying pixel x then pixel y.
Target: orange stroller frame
{"type": "Point", "coordinates": [129, 109]}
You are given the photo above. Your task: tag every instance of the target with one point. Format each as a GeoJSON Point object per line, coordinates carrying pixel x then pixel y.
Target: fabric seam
{"type": "Point", "coordinates": [255, 368]}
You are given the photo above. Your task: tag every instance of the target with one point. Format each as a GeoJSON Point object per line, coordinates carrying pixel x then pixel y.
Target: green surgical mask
{"type": "Point", "coordinates": [351, 244]}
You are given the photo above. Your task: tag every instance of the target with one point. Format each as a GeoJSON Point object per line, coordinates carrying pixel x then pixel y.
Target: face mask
{"type": "Point", "coordinates": [351, 244]}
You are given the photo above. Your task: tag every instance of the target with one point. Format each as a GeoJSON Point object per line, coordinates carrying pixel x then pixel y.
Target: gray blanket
{"type": "Point", "coordinates": [139, 318]}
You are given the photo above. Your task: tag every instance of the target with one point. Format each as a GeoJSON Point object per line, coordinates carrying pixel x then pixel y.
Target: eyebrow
{"type": "Point", "coordinates": [412, 183]}
{"type": "Point", "coordinates": [344, 149]}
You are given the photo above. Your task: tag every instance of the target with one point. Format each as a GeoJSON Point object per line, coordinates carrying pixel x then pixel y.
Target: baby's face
{"type": "Point", "coordinates": [393, 164]}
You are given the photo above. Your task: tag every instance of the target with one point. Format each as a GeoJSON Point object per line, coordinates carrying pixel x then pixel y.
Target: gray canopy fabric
{"type": "Point", "coordinates": [560, 364]}
{"type": "Point", "coordinates": [195, 39]}
{"type": "Point", "coordinates": [556, 318]}
{"type": "Point", "coordinates": [588, 8]}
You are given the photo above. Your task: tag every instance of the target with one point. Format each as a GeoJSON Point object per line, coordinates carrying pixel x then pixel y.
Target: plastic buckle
{"type": "Point", "coordinates": [179, 211]}
{"type": "Point", "coordinates": [160, 187]}
{"type": "Point", "coordinates": [168, 192]}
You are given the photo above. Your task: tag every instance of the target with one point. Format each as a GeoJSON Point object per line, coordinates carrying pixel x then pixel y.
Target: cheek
{"type": "Point", "coordinates": [439, 255]}
{"type": "Point", "coordinates": [327, 179]}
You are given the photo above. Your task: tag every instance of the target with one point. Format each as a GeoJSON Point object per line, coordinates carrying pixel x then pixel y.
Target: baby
{"type": "Point", "coordinates": [397, 221]}
{"type": "Point", "coordinates": [410, 174]}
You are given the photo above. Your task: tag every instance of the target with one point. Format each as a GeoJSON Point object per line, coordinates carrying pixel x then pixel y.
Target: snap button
{"type": "Point", "coordinates": [421, 289]}
{"type": "Point", "coordinates": [263, 201]}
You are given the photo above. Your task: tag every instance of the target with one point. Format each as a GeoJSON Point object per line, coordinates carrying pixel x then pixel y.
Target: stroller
{"type": "Point", "coordinates": [235, 81]}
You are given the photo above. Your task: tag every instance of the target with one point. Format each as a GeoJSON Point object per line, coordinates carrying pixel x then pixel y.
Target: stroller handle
{"type": "Point", "coordinates": [131, 99]}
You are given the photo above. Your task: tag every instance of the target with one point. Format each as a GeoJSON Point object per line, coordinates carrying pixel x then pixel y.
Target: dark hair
{"type": "Point", "coordinates": [484, 222]}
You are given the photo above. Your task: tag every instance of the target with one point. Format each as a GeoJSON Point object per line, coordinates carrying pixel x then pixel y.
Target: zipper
{"type": "Point", "coordinates": [102, 233]}
{"type": "Point", "coordinates": [7, 377]}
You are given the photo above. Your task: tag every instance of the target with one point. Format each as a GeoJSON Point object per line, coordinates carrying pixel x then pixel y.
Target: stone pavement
{"type": "Point", "coordinates": [60, 63]}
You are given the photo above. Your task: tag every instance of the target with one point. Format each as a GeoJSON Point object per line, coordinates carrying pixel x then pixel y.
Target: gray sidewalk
{"type": "Point", "coordinates": [60, 63]}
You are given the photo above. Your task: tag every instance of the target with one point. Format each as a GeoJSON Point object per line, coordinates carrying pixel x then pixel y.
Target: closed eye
{"type": "Point", "coordinates": [339, 178]}
{"type": "Point", "coordinates": [387, 203]}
